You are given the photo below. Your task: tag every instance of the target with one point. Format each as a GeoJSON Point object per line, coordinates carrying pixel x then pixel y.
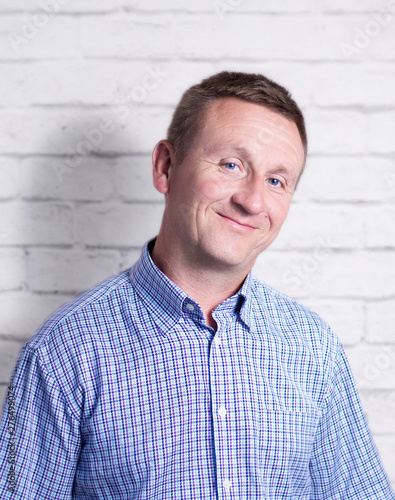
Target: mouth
{"type": "Point", "coordinates": [237, 224]}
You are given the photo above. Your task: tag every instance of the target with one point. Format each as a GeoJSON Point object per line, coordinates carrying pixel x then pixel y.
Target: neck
{"type": "Point", "coordinates": [208, 286]}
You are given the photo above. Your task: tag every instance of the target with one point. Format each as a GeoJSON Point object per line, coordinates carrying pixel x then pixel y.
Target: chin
{"type": "Point", "coordinates": [229, 257]}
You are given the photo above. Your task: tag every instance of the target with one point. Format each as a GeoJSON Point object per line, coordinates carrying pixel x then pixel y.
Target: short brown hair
{"type": "Point", "coordinates": [188, 117]}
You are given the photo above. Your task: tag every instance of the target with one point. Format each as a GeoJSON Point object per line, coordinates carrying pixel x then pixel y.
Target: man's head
{"type": "Point", "coordinates": [190, 113]}
{"type": "Point", "coordinates": [230, 178]}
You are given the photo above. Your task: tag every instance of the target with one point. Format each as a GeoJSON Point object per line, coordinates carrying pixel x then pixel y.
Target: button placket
{"type": "Point", "coordinates": [218, 379]}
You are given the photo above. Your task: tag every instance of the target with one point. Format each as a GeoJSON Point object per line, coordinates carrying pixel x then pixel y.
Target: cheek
{"type": "Point", "coordinates": [214, 191]}
{"type": "Point", "coordinates": [280, 211]}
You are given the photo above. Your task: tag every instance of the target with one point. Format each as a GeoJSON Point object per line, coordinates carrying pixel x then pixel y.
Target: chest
{"type": "Point", "coordinates": [193, 406]}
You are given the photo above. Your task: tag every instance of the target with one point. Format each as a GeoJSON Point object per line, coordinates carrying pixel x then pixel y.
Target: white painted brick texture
{"type": "Point", "coordinates": [86, 90]}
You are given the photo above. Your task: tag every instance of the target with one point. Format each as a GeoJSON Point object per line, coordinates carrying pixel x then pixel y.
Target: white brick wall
{"type": "Point", "coordinates": [88, 87]}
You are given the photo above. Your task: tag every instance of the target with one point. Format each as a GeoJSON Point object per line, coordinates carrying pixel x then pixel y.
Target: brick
{"type": "Point", "coordinates": [379, 407]}
{"type": "Point", "coordinates": [13, 268]}
{"type": "Point", "coordinates": [30, 37]}
{"type": "Point", "coordinates": [78, 133]}
{"type": "Point", "coordinates": [373, 366]}
{"type": "Point", "coordinates": [227, 8]}
{"type": "Point", "coordinates": [350, 132]}
{"type": "Point", "coordinates": [368, 36]}
{"type": "Point", "coordinates": [380, 224]}
{"type": "Point", "coordinates": [293, 272]}
{"type": "Point", "coordinates": [287, 6]}
{"type": "Point", "coordinates": [377, 50]}
{"type": "Point", "coordinates": [96, 179]}
{"type": "Point", "coordinates": [274, 267]}
{"type": "Point", "coordinates": [23, 131]}
{"type": "Point", "coordinates": [22, 312]}
{"type": "Point", "coordinates": [12, 82]}
{"type": "Point", "coordinates": [344, 227]}
{"type": "Point", "coordinates": [379, 138]}
{"type": "Point", "coordinates": [129, 257]}
{"type": "Point", "coordinates": [264, 36]}
{"type": "Point", "coordinates": [381, 321]}
{"type": "Point", "coordinates": [117, 225]}
{"type": "Point", "coordinates": [9, 350]}
{"type": "Point", "coordinates": [367, 84]}
{"type": "Point", "coordinates": [328, 179]}
{"type": "Point", "coordinates": [133, 179]}
{"type": "Point", "coordinates": [123, 85]}
{"type": "Point", "coordinates": [65, 5]}
{"type": "Point", "coordinates": [69, 271]}
{"type": "Point", "coordinates": [173, 78]}
{"type": "Point", "coordinates": [75, 82]}
{"type": "Point", "coordinates": [128, 36]}
{"type": "Point", "coordinates": [308, 224]}
{"type": "Point", "coordinates": [360, 6]}
{"type": "Point", "coordinates": [336, 132]}
{"type": "Point", "coordinates": [356, 275]}
{"type": "Point", "coordinates": [386, 449]}
{"type": "Point", "coordinates": [72, 82]}
{"type": "Point", "coordinates": [24, 223]}
{"type": "Point", "coordinates": [9, 178]}
{"type": "Point", "coordinates": [346, 318]}
{"type": "Point", "coordinates": [51, 178]}
{"type": "Point", "coordinates": [258, 34]}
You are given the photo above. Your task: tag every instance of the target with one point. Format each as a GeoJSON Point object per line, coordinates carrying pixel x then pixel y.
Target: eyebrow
{"type": "Point", "coordinates": [280, 169]}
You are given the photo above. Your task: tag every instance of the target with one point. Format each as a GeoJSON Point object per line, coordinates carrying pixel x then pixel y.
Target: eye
{"type": "Point", "coordinates": [231, 166]}
{"type": "Point", "coordinates": [275, 182]}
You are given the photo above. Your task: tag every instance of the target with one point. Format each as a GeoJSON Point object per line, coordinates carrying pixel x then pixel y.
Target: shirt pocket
{"type": "Point", "coordinates": [287, 439]}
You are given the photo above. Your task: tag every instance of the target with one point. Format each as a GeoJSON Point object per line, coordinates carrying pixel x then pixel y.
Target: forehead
{"type": "Point", "coordinates": [233, 111]}
{"type": "Point", "coordinates": [249, 126]}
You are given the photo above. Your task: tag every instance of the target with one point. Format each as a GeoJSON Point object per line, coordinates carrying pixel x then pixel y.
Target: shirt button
{"type": "Point", "coordinates": [227, 484]}
{"type": "Point", "coordinates": [190, 307]}
{"type": "Point", "coordinates": [222, 411]}
{"type": "Point", "coordinates": [217, 340]}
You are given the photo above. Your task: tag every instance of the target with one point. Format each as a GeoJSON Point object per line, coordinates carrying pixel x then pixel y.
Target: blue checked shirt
{"type": "Point", "coordinates": [126, 394]}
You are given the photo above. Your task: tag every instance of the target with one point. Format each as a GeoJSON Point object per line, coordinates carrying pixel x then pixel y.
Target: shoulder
{"type": "Point", "coordinates": [69, 350]}
{"type": "Point", "coordinates": [283, 306]}
{"type": "Point", "coordinates": [293, 321]}
{"type": "Point", "coordinates": [86, 313]}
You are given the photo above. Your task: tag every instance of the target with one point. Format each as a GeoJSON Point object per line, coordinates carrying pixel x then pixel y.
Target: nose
{"type": "Point", "coordinates": [250, 197]}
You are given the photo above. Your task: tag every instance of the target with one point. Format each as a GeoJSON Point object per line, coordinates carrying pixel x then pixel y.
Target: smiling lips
{"type": "Point", "coordinates": [237, 223]}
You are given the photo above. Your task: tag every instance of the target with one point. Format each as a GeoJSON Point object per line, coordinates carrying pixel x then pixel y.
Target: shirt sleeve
{"type": "Point", "coordinates": [345, 463]}
{"type": "Point", "coordinates": [39, 435]}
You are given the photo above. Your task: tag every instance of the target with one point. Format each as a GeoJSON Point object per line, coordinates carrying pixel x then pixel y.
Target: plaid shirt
{"type": "Point", "coordinates": [125, 393]}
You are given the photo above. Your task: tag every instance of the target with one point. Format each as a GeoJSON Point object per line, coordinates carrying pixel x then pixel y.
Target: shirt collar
{"type": "Point", "coordinates": [166, 302]}
{"type": "Point", "coordinates": [245, 306]}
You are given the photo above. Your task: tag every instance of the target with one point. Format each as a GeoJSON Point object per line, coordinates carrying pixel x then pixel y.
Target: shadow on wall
{"type": "Point", "coordinates": [84, 212]}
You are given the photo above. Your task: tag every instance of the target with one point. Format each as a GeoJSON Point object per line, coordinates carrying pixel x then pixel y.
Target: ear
{"type": "Point", "coordinates": [162, 161]}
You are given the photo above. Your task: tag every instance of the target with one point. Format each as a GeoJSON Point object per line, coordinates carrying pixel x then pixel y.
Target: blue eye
{"type": "Point", "coordinates": [274, 182]}
{"type": "Point", "coordinates": [231, 166]}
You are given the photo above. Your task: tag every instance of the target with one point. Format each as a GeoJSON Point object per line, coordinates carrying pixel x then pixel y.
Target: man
{"type": "Point", "coordinates": [184, 377]}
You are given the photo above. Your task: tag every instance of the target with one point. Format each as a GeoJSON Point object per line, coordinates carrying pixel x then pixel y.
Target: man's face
{"type": "Point", "coordinates": [227, 200]}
